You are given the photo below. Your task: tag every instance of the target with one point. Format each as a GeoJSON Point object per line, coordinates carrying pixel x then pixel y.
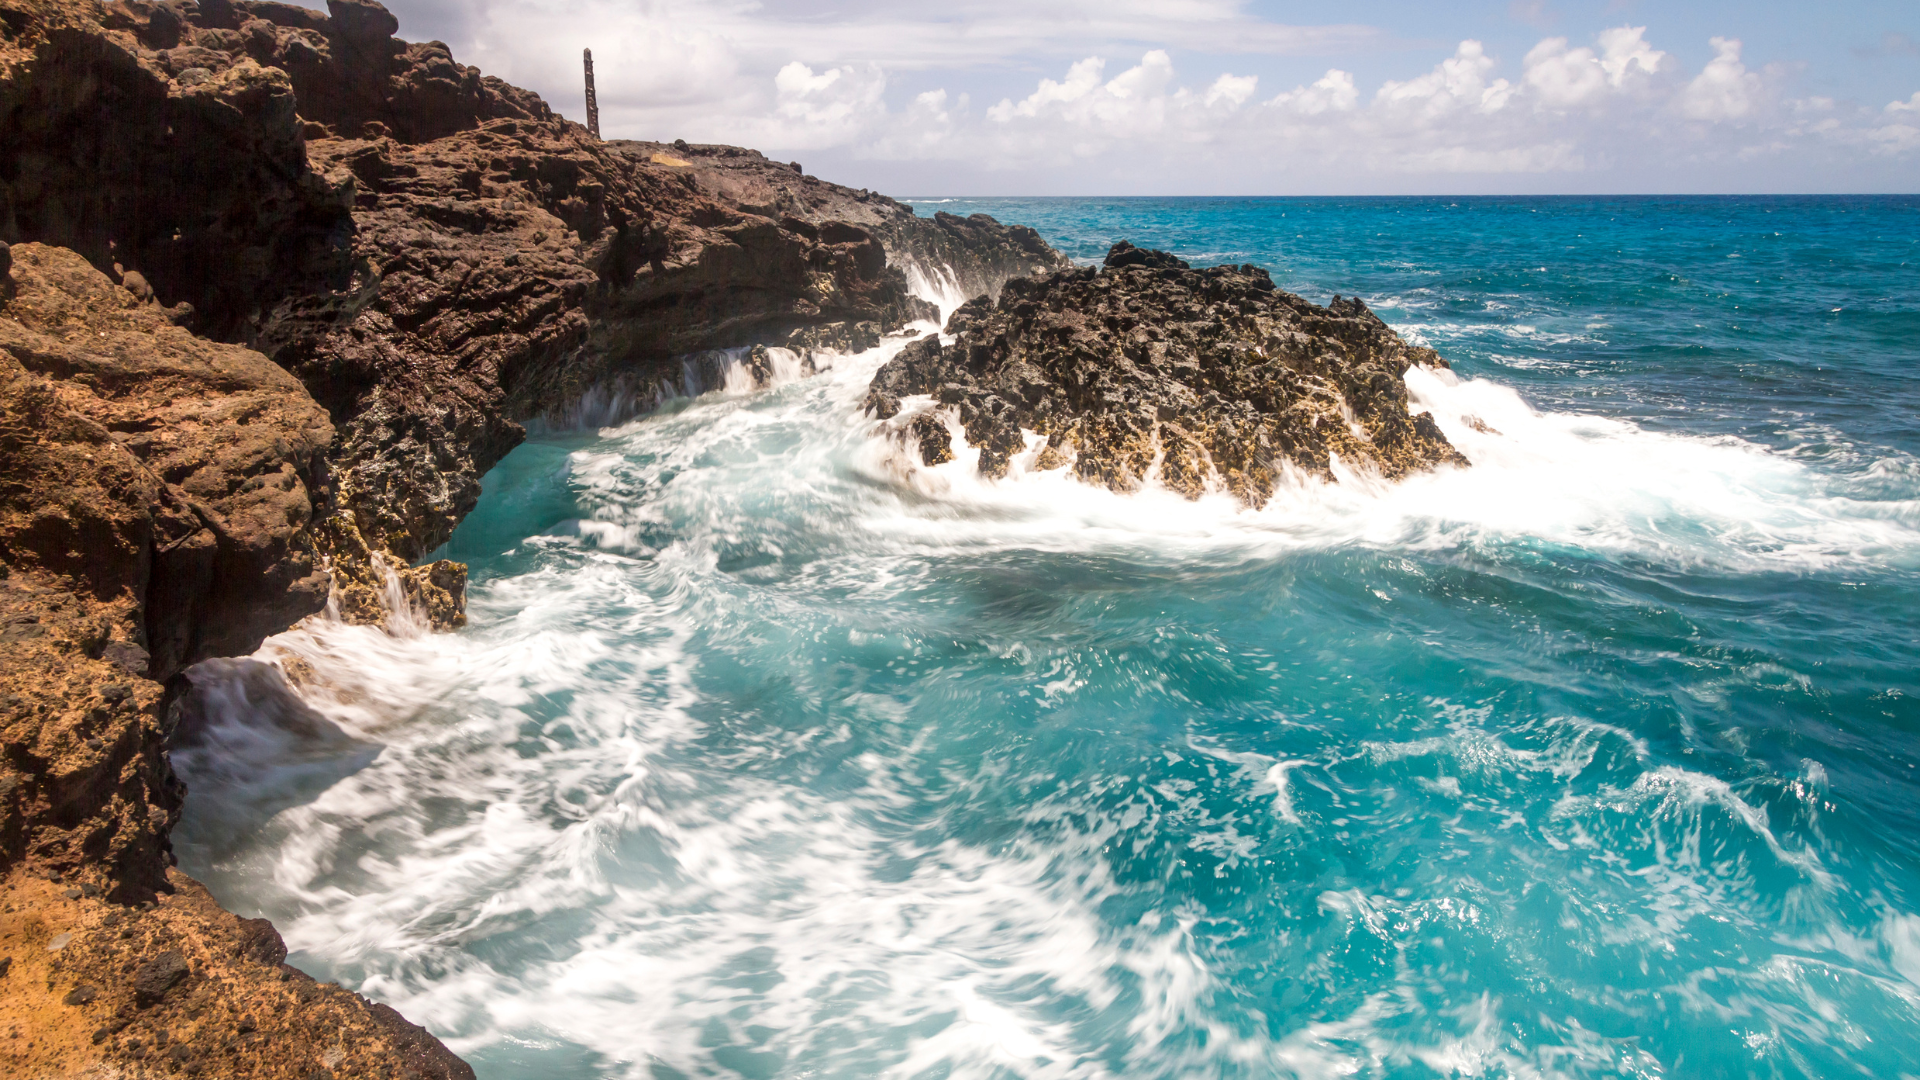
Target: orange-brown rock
{"type": "Point", "coordinates": [156, 502]}
{"type": "Point", "coordinates": [180, 987]}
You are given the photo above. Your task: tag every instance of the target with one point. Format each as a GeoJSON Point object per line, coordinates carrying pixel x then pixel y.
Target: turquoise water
{"type": "Point", "coordinates": [769, 755]}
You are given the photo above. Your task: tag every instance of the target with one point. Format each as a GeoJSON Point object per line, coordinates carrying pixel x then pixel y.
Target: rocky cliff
{"type": "Point", "coordinates": [435, 254]}
{"type": "Point", "coordinates": [157, 492]}
{"type": "Point", "coordinates": [979, 253]}
{"type": "Point", "coordinates": [282, 288]}
{"type": "Point", "coordinates": [1149, 369]}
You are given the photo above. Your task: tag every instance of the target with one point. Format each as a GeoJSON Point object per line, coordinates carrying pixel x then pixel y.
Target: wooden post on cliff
{"type": "Point", "coordinates": [593, 103]}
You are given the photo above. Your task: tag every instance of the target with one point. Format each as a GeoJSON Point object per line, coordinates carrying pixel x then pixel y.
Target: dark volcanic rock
{"type": "Point", "coordinates": [124, 139]}
{"type": "Point", "coordinates": [507, 269]}
{"type": "Point", "coordinates": [158, 976]}
{"type": "Point", "coordinates": [980, 253]}
{"type": "Point", "coordinates": [280, 289]}
{"type": "Point", "coordinates": [1149, 368]}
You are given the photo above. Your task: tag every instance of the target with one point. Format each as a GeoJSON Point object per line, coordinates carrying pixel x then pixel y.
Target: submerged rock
{"type": "Point", "coordinates": [1147, 368]}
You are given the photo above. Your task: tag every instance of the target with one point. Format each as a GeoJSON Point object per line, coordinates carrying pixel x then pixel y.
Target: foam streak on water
{"type": "Point", "coordinates": [769, 752]}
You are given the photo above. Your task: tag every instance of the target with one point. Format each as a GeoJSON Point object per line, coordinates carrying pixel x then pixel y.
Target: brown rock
{"type": "Point", "coordinates": [978, 251]}
{"type": "Point", "coordinates": [363, 21]}
{"type": "Point", "coordinates": [125, 140]}
{"type": "Point", "coordinates": [155, 493]}
{"type": "Point", "coordinates": [436, 254]}
{"type": "Point", "coordinates": [155, 465]}
{"type": "Point", "coordinates": [436, 257]}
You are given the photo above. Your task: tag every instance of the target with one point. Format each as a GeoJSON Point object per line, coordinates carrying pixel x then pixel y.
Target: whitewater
{"type": "Point", "coordinates": [770, 752]}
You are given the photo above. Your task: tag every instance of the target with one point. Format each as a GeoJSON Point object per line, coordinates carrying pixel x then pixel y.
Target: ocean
{"type": "Point", "coordinates": [766, 755]}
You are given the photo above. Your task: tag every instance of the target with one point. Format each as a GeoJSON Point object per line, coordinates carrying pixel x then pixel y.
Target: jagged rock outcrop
{"type": "Point", "coordinates": [433, 252]}
{"type": "Point", "coordinates": [505, 270]}
{"type": "Point", "coordinates": [1149, 369]}
{"type": "Point", "coordinates": [178, 162]}
{"type": "Point", "coordinates": [981, 254]}
{"type": "Point", "coordinates": [149, 463]}
{"type": "Point", "coordinates": [155, 490]}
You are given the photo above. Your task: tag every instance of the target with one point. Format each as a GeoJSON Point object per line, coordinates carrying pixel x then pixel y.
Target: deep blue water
{"type": "Point", "coordinates": [767, 755]}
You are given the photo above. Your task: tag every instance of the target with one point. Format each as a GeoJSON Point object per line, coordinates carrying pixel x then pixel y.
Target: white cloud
{"type": "Point", "coordinates": [1233, 90]}
{"type": "Point", "coordinates": [829, 108]}
{"type": "Point", "coordinates": [1572, 108]}
{"type": "Point", "coordinates": [1564, 78]}
{"type": "Point", "coordinates": [1457, 83]}
{"type": "Point", "coordinates": [1901, 133]}
{"type": "Point", "coordinates": [1082, 79]}
{"type": "Point", "coordinates": [1334, 92]}
{"type": "Point", "coordinates": [1626, 54]}
{"type": "Point", "coordinates": [1724, 89]}
{"type": "Point", "coordinates": [1133, 103]}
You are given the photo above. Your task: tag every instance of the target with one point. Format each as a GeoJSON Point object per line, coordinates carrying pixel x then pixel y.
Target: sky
{"type": "Point", "coordinates": [1239, 97]}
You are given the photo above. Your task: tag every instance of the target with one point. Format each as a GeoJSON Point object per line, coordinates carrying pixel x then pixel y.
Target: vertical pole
{"type": "Point", "coordinates": [593, 103]}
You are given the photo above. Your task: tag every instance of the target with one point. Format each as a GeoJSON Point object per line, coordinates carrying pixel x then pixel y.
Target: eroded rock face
{"type": "Point", "coordinates": [126, 139]}
{"type": "Point", "coordinates": [1147, 368]}
{"type": "Point", "coordinates": [155, 495]}
{"type": "Point", "coordinates": [505, 270]}
{"type": "Point", "coordinates": [436, 254]}
{"type": "Point", "coordinates": [146, 462]}
{"type": "Point", "coordinates": [157, 492]}
{"type": "Point", "coordinates": [431, 257]}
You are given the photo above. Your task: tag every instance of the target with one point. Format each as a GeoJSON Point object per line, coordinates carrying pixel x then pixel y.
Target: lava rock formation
{"type": "Point", "coordinates": [1148, 368]}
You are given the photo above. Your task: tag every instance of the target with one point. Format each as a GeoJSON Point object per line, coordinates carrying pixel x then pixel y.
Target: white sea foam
{"type": "Point", "coordinates": [1574, 480]}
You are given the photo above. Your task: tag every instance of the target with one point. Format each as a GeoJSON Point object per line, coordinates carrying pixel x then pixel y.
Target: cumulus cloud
{"type": "Point", "coordinates": [1571, 107]}
{"type": "Point", "coordinates": [1232, 90]}
{"type": "Point", "coordinates": [1564, 78]}
{"type": "Point", "coordinates": [1725, 89]}
{"type": "Point", "coordinates": [1900, 134]}
{"type": "Point", "coordinates": [828, 108]}
{"type": "Point", "coordinates": [1334, 92]}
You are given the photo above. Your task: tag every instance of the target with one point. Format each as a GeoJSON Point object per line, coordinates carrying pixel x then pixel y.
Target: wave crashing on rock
{"type": "Point", "coordinates": [1147, 368]}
